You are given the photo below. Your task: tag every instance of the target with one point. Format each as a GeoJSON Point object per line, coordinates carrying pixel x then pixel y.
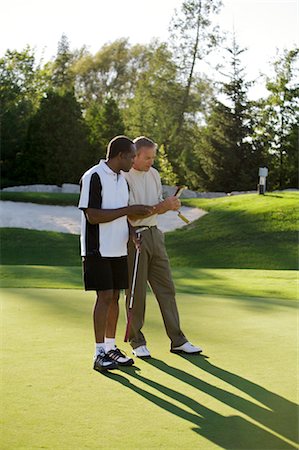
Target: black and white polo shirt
{"type": "Point", "coordinates": [101, 188]}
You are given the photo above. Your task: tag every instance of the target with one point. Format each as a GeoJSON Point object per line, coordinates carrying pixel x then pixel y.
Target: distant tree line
{"type": "Point", "coordinates": [56, 118]}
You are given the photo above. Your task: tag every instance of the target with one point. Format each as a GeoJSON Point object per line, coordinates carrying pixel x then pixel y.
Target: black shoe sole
{"type": "Point", "coordinates": [182, 352]}
{"type": "Point", "coordinates": [104, 369]}
{"type": "Point", "coordinates": [143, 357]}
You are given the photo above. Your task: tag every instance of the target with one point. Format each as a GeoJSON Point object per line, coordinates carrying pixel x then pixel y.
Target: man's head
{"type": "Point", "coordinates": [121, 151]}
{"type": "Point", "coordinates": [145, 153]}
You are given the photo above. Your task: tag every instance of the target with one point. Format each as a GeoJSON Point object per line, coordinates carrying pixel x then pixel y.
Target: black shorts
{"type": "Point", "coordinates": [101, 274]}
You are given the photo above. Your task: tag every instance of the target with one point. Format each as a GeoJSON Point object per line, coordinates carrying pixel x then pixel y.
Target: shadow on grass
{"type": "Point", "coordinates": [232, 432]}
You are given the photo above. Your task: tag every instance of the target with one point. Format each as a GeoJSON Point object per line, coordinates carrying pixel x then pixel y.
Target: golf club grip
{"type": "Point", "coordinates": [178, 191]}
{"type": "Point", "coordinates": [182, 217]}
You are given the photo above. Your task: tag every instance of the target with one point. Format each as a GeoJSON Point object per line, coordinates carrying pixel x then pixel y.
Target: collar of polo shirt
{"type": "Point", "coordinates": [103, 163]}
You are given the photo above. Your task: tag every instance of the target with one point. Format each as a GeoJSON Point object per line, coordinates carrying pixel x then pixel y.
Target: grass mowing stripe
{"type": "Point", "coordinates": [279, 284]}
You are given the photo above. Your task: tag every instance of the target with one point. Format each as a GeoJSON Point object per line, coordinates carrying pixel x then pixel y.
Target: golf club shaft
{"type": "Point", "coordinates": [129, 316]}
{"type": "Point", "coordinates": [134, 278]}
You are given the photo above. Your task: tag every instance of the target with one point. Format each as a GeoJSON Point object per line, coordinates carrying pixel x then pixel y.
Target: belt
{"type": "Point", "coordinates": [144, 227]}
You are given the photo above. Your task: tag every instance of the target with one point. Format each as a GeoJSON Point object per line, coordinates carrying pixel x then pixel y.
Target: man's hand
{"type": "Point", "coordinates": [172, 203]}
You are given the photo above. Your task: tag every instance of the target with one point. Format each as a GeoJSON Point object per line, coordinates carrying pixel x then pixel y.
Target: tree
{"type": "Point", "coordinates": [112, 71]}
{"type": "Point", "coordinates": [167, 174]}
{"type": "Point", "coordinates": [57, 148]}
{"type": "Point", "coordinates": [63, 78]}
{"type": "Point", "coordinates": [276, 119]}
{"type": "Point", "coordinates": [153, 108]}
{"type": "Point", "coordinates": [226, 155]}
{"type": "Point", "coordinates": [22, 84]}
{"type": "Point", "coordinates": [104, 122]}
{"type": "Point", "coordinates": [193, 37]}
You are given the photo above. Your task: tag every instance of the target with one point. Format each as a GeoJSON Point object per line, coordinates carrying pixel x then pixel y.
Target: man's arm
{"type": "Point", "coordinates": [169, 204]}
{"type": "Point", "coordinates": [95, 216]}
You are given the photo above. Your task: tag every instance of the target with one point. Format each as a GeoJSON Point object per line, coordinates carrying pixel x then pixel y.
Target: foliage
{"type": "Point", "coordinates": [193, 38]}
{"type": "Point", "coordinates": [64, 113]}
{"type": "Point", "coordinates": [227, 159]}
{"type": "Point", "coordinates": [57, 149]}
{"type": "Point", "coordinates": [22, 83]}
{"type": "Point", "coordinates": [104, 121]}
{"type": "Point", "coordinates": [276, 121]}
{"type": "Point", "coordinates": [168, 176]}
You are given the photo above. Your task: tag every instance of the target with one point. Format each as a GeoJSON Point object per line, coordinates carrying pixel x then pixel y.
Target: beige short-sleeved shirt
{"type": "Point", "coordinates": [145, 189]}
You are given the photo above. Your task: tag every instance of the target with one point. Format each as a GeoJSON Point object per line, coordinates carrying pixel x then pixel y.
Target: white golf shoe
{"type": "Point", "coordinates": [141, 352]}
{"type": "Point", "coordinates": [186, 348]}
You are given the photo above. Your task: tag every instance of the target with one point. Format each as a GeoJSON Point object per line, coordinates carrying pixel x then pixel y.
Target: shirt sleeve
{"type": "Point", "coordinates": [90, 192]}
{"type": "Point", "coordinates": [159, 186]}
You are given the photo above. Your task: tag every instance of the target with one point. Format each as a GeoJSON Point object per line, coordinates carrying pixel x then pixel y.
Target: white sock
{"type": "Point", "coordinates": [110, 344]}
{"type": "Point", "coordinates": [99, 346]}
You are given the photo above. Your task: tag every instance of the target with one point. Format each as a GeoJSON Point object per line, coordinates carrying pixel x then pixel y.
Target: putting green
{"type": "Point", "coordinates": [240, 396]}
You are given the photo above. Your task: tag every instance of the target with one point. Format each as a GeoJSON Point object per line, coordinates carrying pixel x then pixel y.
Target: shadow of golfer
{"type": "Point", "coordinates": [278, 414]}
{"type": "Point", "coordinates": [228, 432]}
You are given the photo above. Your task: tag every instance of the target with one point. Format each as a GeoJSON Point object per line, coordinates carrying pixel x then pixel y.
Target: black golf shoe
{"type": "Point", "coordinates": [122, 360]}
{"type": "Point", "coordinates": [104, 362]}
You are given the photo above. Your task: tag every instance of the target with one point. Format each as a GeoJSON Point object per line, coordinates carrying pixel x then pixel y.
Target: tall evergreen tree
{"type": "Point", "coordinates": [22, 84]}
{"type": "Point", "coordinates": [104, 122]}
{"type": "Point", "coordinates": [57, 149]}
{"type": "Point", "coordinates": [63, 78]}
{"type": "Point", "coordinates": [225, 152]}
{"type": "Point", "coordinates": [276, 119]}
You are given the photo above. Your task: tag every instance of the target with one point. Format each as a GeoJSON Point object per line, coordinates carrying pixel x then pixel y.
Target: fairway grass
{"type": "Point", "coordinates": [282, 284]}
{"type": "Point", "coordinates": [241, 395]}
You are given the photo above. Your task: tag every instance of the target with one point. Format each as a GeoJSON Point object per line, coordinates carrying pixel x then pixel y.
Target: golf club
{"type": "Point", "coordinates": [130, 307]}
{"type": "Point", "coordinates": [178, 193]}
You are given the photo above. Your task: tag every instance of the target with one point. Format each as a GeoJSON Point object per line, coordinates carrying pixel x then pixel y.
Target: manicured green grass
{"type": "Point", "coordinates": [241, 396]}
{"type": "Point", "coordinates": [26, 247]}
{"type": "Point", "coordinates": [246, 231]}
{"type": "Point", "coordinates": [43, 198]}
{"type": "Point", "coordinates": [278, 284]}
{"type": "Point", "coordinates": [235, 297]}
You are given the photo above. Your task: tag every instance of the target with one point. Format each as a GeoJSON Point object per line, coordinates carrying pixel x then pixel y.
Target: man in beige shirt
{"type": "Point", "coordinates": [153, 267]}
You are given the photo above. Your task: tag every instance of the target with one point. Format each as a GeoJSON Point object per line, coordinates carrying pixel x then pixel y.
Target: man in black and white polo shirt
{"type": "Point", "coordinates": [104, 235]}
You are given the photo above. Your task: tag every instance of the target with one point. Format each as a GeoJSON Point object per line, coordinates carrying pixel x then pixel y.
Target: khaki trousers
{"type": "Point", "coordinates": [153, 267]}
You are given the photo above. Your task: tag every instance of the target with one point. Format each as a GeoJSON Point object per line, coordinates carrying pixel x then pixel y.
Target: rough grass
{"type": "Point", "coordinates": [247, 231]}
{"type": "Point", "coordinates": [43, 198]}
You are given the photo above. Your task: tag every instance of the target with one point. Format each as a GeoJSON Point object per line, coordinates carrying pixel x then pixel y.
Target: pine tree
{"type": "Point", "coordinates": [226, 155]}
{"type": "Point", "coordinates": [104, 122]}
{"type": "Point", "coordinates": [57, 148]}
{"type": "Point", "coordinates": [276, 120]}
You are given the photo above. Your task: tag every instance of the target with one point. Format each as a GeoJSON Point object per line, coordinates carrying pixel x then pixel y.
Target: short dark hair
{"type": "Point", "coordinates": [119, 144]}
{"type": "Point", "coordinates": [143, 141]}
